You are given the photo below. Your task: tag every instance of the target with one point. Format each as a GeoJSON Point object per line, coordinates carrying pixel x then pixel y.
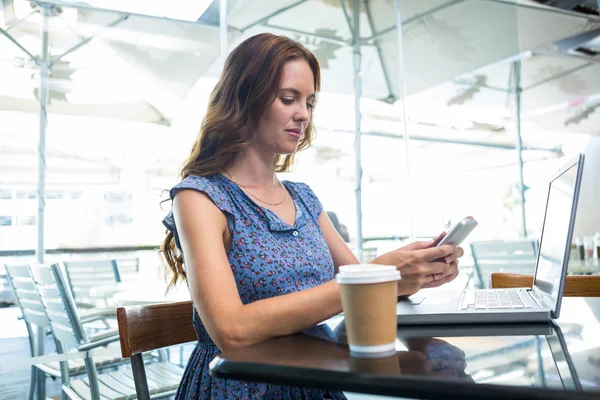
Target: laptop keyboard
{"type": "Point", "coordinates": [491, 299]}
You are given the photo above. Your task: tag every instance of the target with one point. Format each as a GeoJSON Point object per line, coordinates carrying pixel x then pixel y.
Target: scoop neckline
{"type": "Point", "coordinates": [265, 209]}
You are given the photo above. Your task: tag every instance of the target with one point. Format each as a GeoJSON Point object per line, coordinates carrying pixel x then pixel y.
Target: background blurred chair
{"type": "Point", "coordinates": [68, 331]}
{"type": "Point", "coordinates": [369, 254]}
{"type": "Point", "coordinates": [6, 293]}
{"type": "Point", "coordinates": [86, 274]}
{"type": "Point", "coordinates": [575, 285]}
{"type": "Point", "coordinates": [151, 327]}
{"type": "Point", "coordinates": [38, 326]}
{"type": "Point", "coordinates": [128, 268]}
{"type": "Point", "coordinates": [517, 256]}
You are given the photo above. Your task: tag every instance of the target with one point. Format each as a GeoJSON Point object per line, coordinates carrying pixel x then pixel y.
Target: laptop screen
{"type": "Point", "coordinates": [555, 242]}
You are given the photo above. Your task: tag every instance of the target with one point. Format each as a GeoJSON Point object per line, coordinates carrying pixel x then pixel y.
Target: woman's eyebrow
{"type": "Point", "coordinates": [296, 92]}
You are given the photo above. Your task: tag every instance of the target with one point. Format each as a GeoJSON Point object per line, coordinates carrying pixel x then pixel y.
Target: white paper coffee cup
{"type": "Point", "coordinates": [369, 295]}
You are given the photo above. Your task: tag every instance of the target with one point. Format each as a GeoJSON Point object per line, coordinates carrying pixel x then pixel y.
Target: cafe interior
{"type": "Point", "coordinates": [429, 111]}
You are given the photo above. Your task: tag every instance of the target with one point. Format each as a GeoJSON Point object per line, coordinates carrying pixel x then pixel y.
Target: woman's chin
{"type": "Point", "coordinates": [288, 150]}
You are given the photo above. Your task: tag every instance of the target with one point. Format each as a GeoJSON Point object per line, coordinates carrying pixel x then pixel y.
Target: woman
{"type": "Point", "coordinates": [260, 254]}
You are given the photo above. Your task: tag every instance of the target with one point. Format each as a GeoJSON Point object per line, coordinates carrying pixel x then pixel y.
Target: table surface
{"type": "Point", "coordinates": [559, 360]}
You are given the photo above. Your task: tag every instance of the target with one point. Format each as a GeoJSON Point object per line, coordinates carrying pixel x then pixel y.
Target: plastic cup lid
{"type": "Point", "coordinates": [367, 273]}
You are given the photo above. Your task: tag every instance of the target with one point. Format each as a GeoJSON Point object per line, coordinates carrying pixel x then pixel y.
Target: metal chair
{"type": "Point", "coordinates": [68, 330]}
{"type": "Point", "coordinates": [517, 256]}
{"type": "Point", "coordinates": [127, 267]}
{"type": "Point", "coordinates": [86, 274]}
{"type": "Point", "coordinates": [38, 325]}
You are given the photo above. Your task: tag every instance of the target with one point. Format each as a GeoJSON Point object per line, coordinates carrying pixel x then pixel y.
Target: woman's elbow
{"type": "Point", "coordinates": [229, 338]}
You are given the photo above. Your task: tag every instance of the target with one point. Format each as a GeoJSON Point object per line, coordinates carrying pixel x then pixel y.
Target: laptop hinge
{"type": "Point", "coordinates": [535, 297]}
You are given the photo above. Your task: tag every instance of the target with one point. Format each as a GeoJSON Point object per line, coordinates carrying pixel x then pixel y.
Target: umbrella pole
{"type": "Point", "coordinates": [519, 142]}
{"type": "Point", "coordinates": [44, 64]}
{"type": "Point", "coordinates": [409, 198]}
{"type": "Point", "coordinates": [223, 28]}
{"type": "Point", "coordinates": [357, 122]}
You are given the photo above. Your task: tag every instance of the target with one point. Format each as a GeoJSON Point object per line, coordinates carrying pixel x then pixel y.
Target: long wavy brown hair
{"type": "Point", "coordinates": [249, 83]}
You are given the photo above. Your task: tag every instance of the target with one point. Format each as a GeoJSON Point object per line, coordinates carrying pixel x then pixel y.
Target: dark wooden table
{"type": "Point", "coordinates": [547, 361]}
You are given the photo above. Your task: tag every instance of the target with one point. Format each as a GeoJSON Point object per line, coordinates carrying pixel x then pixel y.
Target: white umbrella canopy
{"type": "Point", "coordinates": [442, 38]}
{"type": "Point", "coordinates": [559, 93]}
{"type": "Point", "coordinates": [572, 117]}
{"type": "Point", "coordinates": [126, 55]}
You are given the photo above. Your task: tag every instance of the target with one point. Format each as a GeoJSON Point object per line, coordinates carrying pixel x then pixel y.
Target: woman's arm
{"type": "Point", "coordinates": [339, 250]}
{"type": "Point", "coordinates": [201, 227]}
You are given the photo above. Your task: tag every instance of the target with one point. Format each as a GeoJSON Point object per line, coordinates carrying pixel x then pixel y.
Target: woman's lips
{"type": "Point", "coordinates": [295, 133]}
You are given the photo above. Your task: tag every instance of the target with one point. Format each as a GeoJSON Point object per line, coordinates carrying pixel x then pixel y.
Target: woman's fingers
{"type": "Point", "coordinates": [440, 282]}
{"type": "Point", "coordinates": [452, 269]}
{"type": "Point", "coordinates": [424, 244]}
{"type": "Point", "coordinates": [436, 253]}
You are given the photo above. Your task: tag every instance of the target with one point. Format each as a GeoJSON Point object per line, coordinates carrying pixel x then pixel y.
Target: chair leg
{"type": "Point", "coordinates": [41, 385]}
{"type": "Point", "coordinates": [32, 384]}
{"type": "Point", "coordinates": [139, 377]}
{"type": "Point", "coordinates": [41, 375]}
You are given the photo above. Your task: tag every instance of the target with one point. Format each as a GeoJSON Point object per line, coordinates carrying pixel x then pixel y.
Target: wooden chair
{"type": "Point", "coordinates": [509, 256]}
{"type": "Point", "coordinates": [575, 286]}
{"type": "Point", "coordinates": [152, 327]}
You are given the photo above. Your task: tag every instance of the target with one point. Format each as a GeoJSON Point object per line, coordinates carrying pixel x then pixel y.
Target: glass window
{"type": "Point", "coordinates": [5, 194]}
{"type": "Point", "coordinates": [118, 219]}
{"type": "Point", "coordinates": [26, 194]}
{"type": "Point", "coordinates": [73, 194]}
{"type": "Point", "coordinates": [25, 220]}
{"type": "Point", "coordinates": [117, 196]}
{"type": "Point", "coordinates": [54, 194]}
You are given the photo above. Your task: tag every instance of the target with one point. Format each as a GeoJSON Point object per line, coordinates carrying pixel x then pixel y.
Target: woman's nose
{"type": "Point", "coordinates": [303, 114]}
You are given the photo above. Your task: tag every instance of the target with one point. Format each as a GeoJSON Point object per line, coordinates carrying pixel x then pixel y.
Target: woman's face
{"type": "Point", "coordinates": [284, 122]}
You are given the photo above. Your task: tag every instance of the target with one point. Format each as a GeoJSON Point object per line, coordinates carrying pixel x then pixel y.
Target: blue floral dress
{"type": "Point", "coordinates": [268, 258]}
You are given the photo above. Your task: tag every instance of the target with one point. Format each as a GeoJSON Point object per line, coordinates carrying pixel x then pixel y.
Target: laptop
{"type": "Point", "coordinates": [540, 303]}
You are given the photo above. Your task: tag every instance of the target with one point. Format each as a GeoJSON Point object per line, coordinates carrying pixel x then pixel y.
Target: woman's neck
{"type": "Point", "coordinates": [253, 169]}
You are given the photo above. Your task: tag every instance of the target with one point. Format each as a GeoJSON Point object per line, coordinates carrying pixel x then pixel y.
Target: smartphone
{"type": "Point", "coordinates": [459, 232]}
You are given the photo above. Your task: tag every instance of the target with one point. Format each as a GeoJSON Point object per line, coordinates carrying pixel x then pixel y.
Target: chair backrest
{"type": "Point", "coordinates": [27, 298]}
{"type": "Point", "coordinates": [84, 275]}
{"type": "Point", "coordinates": [128, 267]}
{"type": "Point", "coordinates": [64, 320]}
{"type": "Point", "coordinates": [151, 327]}
{"type": "Point", "coordinates": [575, 285]}
{"type": "Point", "coordinates": [58, 304]}
{"type": "Point", "coordinates": [517, 256]}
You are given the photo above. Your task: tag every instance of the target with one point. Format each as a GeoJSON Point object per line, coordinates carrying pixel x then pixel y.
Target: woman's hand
{"type": "Point", "coordinates": [422, 266]}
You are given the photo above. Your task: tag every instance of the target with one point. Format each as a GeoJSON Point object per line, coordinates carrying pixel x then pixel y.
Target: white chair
{"type": "Point", "coordinates": [84, 275]}
{"type": "Point", "coordinates": [67, 329]}
{"type": "Point", "coordinates": [38, 326]}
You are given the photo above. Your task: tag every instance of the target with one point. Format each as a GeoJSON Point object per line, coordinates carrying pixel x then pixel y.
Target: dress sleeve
{"type": "Point", "coordinates": [310, 199]}
{"type": "Point", "coordinates": [204, 185]}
